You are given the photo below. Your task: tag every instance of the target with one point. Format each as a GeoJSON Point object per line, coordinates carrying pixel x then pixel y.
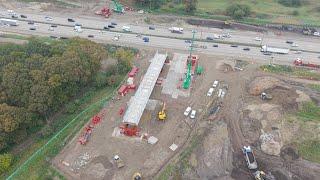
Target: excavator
{"type": "Point", "coordinates": [162, 114]}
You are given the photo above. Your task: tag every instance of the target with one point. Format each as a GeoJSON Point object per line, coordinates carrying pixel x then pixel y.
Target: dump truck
{"type": "Point", "coordinates": [162, 114]}
{"type": "Point", "coordinates": [177, 30]}
{"type": "Point", "coordinates": [265, 96]}
{"type": "Point", "coordinates": [249, 157]}
{"type": "Point", "coordinates": [119, 162]}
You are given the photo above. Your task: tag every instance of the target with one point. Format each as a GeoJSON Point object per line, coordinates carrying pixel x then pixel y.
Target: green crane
{"type": "Point", "coordinates": [117, 7]}
{"type": "Point", "coordinates": [187, 80]}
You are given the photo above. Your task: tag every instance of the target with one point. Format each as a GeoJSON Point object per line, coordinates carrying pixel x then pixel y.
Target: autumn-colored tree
{"type": "Point", "coordinates": [5, 162]}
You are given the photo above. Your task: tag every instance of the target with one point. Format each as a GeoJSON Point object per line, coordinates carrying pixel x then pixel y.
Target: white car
{"type": "Point", "coordinates": [50, 29]}
{"type": "Point", "coordinates": [126, 28]}
{"type": "Point", "coordinates": [209, 93]}
{"type": "Point", "coordinates": [298, 52]}
{"type": "Point", "coordinates": [215, 83]}
{"type": "Point", "coordinates": [220, 93]}
{"type": "Point", "coordinates": [294, 45]}
{"type": "Point", "coordinates": [316, 33]}
{"type": "Point", "coordinates": [187, 111]}
{"type": "Point", "coordinates": [257, 39]}
{"type": "Point", "coordinates": [193, 114]}
{"type": "Point", "coordinates": [48, 18]}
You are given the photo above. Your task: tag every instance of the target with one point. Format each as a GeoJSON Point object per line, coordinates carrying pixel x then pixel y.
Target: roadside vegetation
{"type": "Point", "coordinates": [298, 72]}
{"type": "Point", "coordinates": [43, 88]}
{"type": "Point", "coordinates": [297, 12]}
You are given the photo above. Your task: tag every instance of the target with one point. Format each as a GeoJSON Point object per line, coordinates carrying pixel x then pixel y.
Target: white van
{"type": "Point", "coordinates": [187, 111]}
{"type": "Point", "coordinates": [193, 114]}
{"type": "Point", "coordinates": [215, 83]}
{"type": "Point", "coordinates": [209, 93]}
{"type": "Point", "coordinates": [126, 28]}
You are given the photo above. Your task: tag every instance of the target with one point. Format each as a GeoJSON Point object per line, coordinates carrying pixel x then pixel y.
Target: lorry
{"type": "Point", "coordinates": [299, 62]}
{"type": "Point", "coordinates": [10, 22]}
{"type": "Point", "coordinates": [126, 28]}
{"type": "Point", "coordinates": [177, 30]}
{"type": "Point", "coordinates": [268, 49]}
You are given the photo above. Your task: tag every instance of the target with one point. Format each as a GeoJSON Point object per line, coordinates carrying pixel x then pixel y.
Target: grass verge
{"type": "Point", "coordinates": [309, 150]}
{"type": "Point", "coordinates": [299, 72]}
{"type": "Point", "coordinates": [309, 112]}
{"type": "Point", "coordinates": [35, 163]}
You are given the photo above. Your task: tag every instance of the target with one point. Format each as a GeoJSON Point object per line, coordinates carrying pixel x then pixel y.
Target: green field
{"type": "Point", "coordinates": [308, 13]}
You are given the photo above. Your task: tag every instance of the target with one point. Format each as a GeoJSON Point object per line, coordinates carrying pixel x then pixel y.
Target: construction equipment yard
{"type": "Point", "coordinates": [190, 109]}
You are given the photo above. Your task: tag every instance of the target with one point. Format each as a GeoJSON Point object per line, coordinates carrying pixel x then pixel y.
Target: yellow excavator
{"type": "Point", "coordinates": [162, 114]}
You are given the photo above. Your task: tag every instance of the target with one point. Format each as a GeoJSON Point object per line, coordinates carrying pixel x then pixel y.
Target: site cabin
{"type": "Point", "coordinates": [133, 72]}
{"type": "Point", "coordinates": [123, 90]}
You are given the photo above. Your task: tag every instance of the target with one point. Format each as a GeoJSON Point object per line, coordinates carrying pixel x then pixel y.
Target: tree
{"type": "Point", "coordinates": [190, 5]}
{"type": "Point", "coordinates": [238, 11]}
{"type": "Point", "coordinates": [5, 162]}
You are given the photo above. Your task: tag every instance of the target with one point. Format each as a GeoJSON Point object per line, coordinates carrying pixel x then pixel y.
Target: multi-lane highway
{"type": "Point", "coordinates": [161, 37]}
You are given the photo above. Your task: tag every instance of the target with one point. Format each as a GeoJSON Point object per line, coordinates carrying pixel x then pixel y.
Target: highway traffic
{"type": "Point", "coordinates": [161, 37]}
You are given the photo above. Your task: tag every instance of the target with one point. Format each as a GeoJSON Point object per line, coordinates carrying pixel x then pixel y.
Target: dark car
{"type": "Point", "coordinates": [267, 53]}
{"type": "Point", "coordinates": [234, 45]}
{"type": "Point", "coordinates": [53, 37]}
{"type": "Point", "coordinates": [215, 45]}
{"type": "Point", "coordinates": [111, 26]}
{"type": "Point", "coordinates": [77, 24]}
{"type": "Point", "coordinates": [23, 16]}
{"type": "Point", "coordinates": [30, 22]}
{"type": "Point", "coordinates": [289, 42]}
{"type": "Point", "coordinates": [209, 38]}
{"type": "Point", "coordinates": [145, 39]}
{"type": "Point", "coordinates": [246, 49]}
{"type": "Point", "coordinates": [14, 16]}
{"type": "Point", "coordinates": [32, 28]}
{"type": "Point", "coordinates": [54, 25]}
{"type": "Point", "coordinates": [187, 41]}
{"type": "Point", "coordinates": [71, 20]}
{"type": "Point", "coordinates": [90, 36]}
{"type": "Point", "coordinates": [152, 28]}
{"type": "Point", "coordinates": [114, 23]}
{"type": "Point", "coordinates": [106, 28]}
{"type": "Point", "coordinates": [63, 37]}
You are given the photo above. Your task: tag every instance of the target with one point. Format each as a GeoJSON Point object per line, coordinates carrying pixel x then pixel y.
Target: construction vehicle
{"type": "Point", "coordinates": [249, 157]}
{"type": "Point", "coordinates": [105, 11]}
{"type": "Point", "coordinates": [86, 135]}
{"type": "Point", "coordinates": [177, 30]}
{"type": "Point", "coordinates": [117, 7]}
{"type": "Point", "coordinates": [119, 162]}
{"type": "Point", "coordinates": [187, 80]}
{"type": "Point", "coordinates": [162, 114]}
{"type": "Point", "coordinates": [299, 62]}
{"type": "Point", "coordinates": [265, 96]}
{"type": "Point", "coordinates": [259, 175]}
{"type": "Point", "coordinates": [136, 176]}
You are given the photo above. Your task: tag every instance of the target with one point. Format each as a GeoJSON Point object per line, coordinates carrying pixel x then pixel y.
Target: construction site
{"type": "Point", "coordinates": [191, 109]}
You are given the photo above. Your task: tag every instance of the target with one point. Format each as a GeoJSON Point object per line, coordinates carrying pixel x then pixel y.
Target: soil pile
{"type": "Point", "coordinates": [260, 84]}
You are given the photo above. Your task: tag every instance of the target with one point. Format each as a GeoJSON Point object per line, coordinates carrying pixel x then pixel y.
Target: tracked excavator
{"type": "Point", "coordinates": [162, 114]}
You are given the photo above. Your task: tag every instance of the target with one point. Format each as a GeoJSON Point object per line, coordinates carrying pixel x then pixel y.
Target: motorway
{"type": "Point", "coordinates": [65, 28]}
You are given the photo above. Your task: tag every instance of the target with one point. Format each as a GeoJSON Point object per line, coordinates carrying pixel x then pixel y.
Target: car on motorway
{"type": "Point", "coordinates": [209, 38]}
{"type": "Point", "coordinates": [234, 45]}
{"type": "Point", "coordinates": [111, 26]}
{"type": "Point", "coordinates": [289, 42]}
{"type": "Point", "coordinates": [267, 53]}
{"type": "Point", "coordinates": [114, 23]}
{"type": "Point", "coordinates": [14, 16]}
{"type": "Point", "coordinates": [187, 111]}
{"type": "Point", "coordinates": [187, 41]}
{"type": "Point", "coordinates": [146, 39]}
{"type": "Point", "coordinates": [246, 49]}
{"type": "Point", "coordinates": [152, 28]}
{"type": "Point", "coordinates": [48, 18]}
{"type": "Point", "coordinates": [106, 28]}
{"type": "Point", "coordinates": [53, 37]}
{"type": "Point", "coordinates": [257, 39]}
{"type": "Point", "coordinates": [294, 45]}
{"type": "Point", "coordinates": [316, 33]}
{"type": "Point", "coordinates": [297, 52]}
{"type": "Point", "coordinates": [215, 45]}
{"type": "Point", "coordinates": [62, 37]}
{"type": "Point", "coordinates": [90, 36]}
{"type": "Point", "coordinates": [53, 25]}
{"type": "Point", "coordinates": [23, 16]}
{"type": "Point", "coordinates": [77, 24]}
{"type": "Point", "coordinates": [71, 20]}
{"type": "Point", "coordinates": [32, 28]}
{"type": "Point", "coordinates": [50, 29]}
{"type": "Point", "coordinates": [30, 22]}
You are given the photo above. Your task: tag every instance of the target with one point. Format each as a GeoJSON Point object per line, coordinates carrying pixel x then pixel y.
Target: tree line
{"type": "Point", "coordinates": [38, 78]}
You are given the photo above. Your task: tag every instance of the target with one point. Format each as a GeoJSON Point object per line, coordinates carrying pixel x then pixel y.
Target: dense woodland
{"type": "Point", "coordinates": [38, 78]}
